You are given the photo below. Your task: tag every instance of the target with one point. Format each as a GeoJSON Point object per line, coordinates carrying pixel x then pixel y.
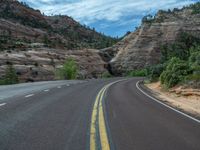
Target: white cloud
{"type": "Point", "coordinates": [92, 11]}
{"type": "Point", "coordinates": [111, 10]}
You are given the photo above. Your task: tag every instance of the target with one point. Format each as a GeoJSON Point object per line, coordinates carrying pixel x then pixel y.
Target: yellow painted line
{"type": "Point", "coordinates": [102, 126]}
{"type": "Point", "coordinates": [98, 116]}
{"type": "Point", "coordinates": [93, 131]}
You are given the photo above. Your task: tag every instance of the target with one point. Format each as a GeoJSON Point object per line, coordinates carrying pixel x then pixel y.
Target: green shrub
{"type": "Point", "coordinates": [154, 72]}
{"type": "Point", "coordinates": [193, 77]}
{"type": "Point", "coordinates": [195, 48]}
{"type": "Point", "coordinates": [2, 82]}
{"type": "Point", "coordinates": [10, 77]}
{"type": "Point", "coordinates": [182, 59]}
{"type": "Point", "coordinates": [175, 72]}
{"type": "Point", "coordinates": [194, 59]}
{"type": "Point", "coordinates": [194, 62]}
{"type": "Point", "coordinates": [182, 48]}
{"type": "Point", "coordinates": [196, 8]}
{"type": "Point", "coordinates": [138, 73]}
{"type": "Point", "coordinates": [69, 70]}
{"type": "Point", "coordinates": [106, 75]}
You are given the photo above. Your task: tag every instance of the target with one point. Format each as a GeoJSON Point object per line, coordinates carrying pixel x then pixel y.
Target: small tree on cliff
{"type": "Point", "coordinates": [11, 76]}
{"type": "Point", "coordinates": [69, 70]}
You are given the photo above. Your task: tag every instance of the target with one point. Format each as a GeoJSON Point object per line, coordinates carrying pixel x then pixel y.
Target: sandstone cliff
{"type": "Point", "coordinates": [37, 45]}
{"type": "Point", "coordinates": [142, 47]}
{"type": "Point", "coordinates": [36, 64]}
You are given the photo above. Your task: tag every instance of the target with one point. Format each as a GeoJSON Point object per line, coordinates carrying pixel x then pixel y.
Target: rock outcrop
{"type": "Point", "coordinates": [39, 64]}
{"type": "Point", "coordinates": [142, 48]}
{"type": "Point", "coordinates": [37, 44]}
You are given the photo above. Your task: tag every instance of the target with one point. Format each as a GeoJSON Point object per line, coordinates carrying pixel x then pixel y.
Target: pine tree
{"type": "Point", "coordinates": [11, 76]}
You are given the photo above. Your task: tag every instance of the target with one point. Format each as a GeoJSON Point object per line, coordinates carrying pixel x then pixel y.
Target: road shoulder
{"type": "Point", "coordinates": [181, 103]}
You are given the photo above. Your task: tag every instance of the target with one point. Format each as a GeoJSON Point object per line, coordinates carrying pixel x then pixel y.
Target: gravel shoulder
{"type": "Point", "coordinates": [185, 99]}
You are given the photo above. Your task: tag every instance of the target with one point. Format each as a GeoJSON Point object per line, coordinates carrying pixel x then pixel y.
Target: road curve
{"type": "Point", "coordinates": [136, 122]}
{"type": "Point", "coordinates": [60, 118]}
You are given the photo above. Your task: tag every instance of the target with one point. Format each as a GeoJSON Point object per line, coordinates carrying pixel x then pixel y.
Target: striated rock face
{"type": "Point", "coordinates": [16, 30]}
{"type": "Point", "coordinates": [37, 45]}
{"type": "Point", "coordinates": [142, 47]}
{"type": "Point", "coordinates": [41, 63]}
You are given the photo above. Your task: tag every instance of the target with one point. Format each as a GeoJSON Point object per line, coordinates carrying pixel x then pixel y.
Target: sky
{"type": "Point", "coordinates": [111, 17]}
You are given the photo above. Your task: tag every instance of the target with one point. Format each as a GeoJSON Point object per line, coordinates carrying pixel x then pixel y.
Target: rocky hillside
{"type": "Point", "coordinates": [20, 23]}
{"type": "Point", "coordinates": [142, 48]}
{"type": "Point", "coordinates": [37, 45]}
{"type": "Point", "coordinates": [36, 64]}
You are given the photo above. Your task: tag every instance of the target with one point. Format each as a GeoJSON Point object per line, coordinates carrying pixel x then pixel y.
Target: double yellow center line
{"type": "Point", "coordinates": [98, 133]}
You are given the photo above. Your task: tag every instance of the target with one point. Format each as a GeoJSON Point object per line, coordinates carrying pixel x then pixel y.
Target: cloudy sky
{"type": "Point", "coordinates": [112, 17]}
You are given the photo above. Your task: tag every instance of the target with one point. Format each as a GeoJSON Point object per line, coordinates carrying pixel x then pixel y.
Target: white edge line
{"type": "Point", "coordinates": [29, 95]}
{"type": "Point", "coordinates": [47, 90]}
{"type": "Point", "coordinates": [2, 104]}
{"type": "Point", "coordinates": [158, 101]}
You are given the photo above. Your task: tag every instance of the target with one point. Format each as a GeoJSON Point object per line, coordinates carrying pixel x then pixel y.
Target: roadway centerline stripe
{"type": "Point", "coordinates": [93, 132]}
{"type": "Point", "coordinates": [98, 130]}
{"type": "Point", "coordinates": [102, 126]}
{"type": "Point", "coordinates": [2, 104]}
{"type": "Point", "coordinates": [29, 95]}
{"type": "Point", "coordinates": [158, 101]}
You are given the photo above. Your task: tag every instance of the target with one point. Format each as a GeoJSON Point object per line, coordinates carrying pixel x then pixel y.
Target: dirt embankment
{"type": "Point", "coordinates": [186, 99]}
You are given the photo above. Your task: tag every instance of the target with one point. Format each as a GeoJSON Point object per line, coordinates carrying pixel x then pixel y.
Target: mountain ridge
{"type": "Point", "coordinates": [142, 48]}
{"type": "Point", "coordinates": [38, 45]}
{"type": "Point", "coordinates": [68, 33]}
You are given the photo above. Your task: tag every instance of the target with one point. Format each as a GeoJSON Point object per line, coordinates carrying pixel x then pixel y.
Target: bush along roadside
{"type": "Point", "coordinates": [175, 72]}
{"type": "Point", "coordinates": [106, 75]}
{"type": "Point", "coordinates": [10, 76]}
{"type": "Point", "coordinates": [69, 70]}
{"type": "Point", "coordinates": [137, 73]}
{"type": "Point", "coordinates": [180, 63]}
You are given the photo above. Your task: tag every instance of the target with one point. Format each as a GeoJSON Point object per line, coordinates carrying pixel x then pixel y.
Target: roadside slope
{"type": "Point", "coordinates": [187, 100]}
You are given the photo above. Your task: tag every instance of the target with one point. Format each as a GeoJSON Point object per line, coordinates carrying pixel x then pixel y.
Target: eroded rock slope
{"type": "Point", "coordinates": [142, 48]}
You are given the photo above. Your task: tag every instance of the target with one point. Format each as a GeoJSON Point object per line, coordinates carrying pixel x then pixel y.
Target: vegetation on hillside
{"type": "Point", "coordinates": [106, 75]}
{"type": "Point", "coordinates": [7, 41]}
{"type": "Point", "coordinates": [8, 12]}
{"type": "Point", "coordinates": [196, 8]}
{"type": "Point", "coordinates": [138, 73]}
{"type": "Point", "coordinates": [175, 72]}
{"type": "Point", "coordinates": [180, 62]}
{"type": "Point", "coordinates": [151, 19]}
{"type": "Point", "coordinates": [10, 76]}
{"type": "Point", "coordinates": [59, 31]}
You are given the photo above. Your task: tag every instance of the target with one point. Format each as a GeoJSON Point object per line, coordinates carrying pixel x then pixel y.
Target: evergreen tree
{"type": "Point", "coordinates": [11, 76]}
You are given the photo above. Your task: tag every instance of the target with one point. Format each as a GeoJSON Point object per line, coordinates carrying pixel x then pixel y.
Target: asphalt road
{"type": "Point", "coordinates": [8, 91]}
{"type": "Point", "coordinates": [92, 115]}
